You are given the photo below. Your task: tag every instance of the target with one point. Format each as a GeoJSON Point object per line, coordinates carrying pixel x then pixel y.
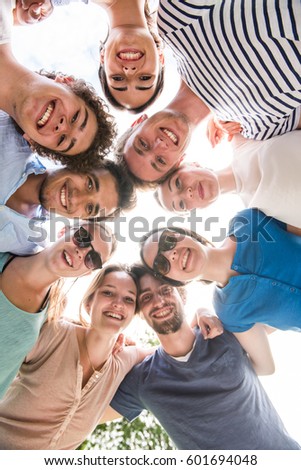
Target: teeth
{"type": "Point", "coordinates": [172, 136]}
{"type": "Point", "coordinates": [115, 315]}
{"type": "Point", "coordinates": [43, 119]}
{"type": "Point", "coordinates": [68, 259]}
{"type": "Point", "coordinates": [130, 55]}
{"type": "Point", "coordinates": [163, 313]}
{"type": "Point", "coordinates": [185, 258]}
{"type": "Point", "coordinates": [63, 197]}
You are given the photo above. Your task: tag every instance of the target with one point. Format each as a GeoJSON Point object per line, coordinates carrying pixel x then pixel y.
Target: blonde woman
{"type": "Point", "coordinates": [70, 376]}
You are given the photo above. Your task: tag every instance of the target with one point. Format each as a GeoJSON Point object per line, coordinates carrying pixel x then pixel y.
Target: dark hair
{"type": "Point", "coordinates": [152, 26]}
{"type": "Point", "coordinates": [141, 270]}
{"type": "Point", "coordinates": [182, 231]}
{"type": "Point", "coordinates": [138, 182]}
{"type": "Point", "coordinates": [106, 127]}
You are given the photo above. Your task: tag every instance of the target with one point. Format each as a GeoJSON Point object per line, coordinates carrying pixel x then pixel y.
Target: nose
{"type": "Point", "coordinates": [158, 299]}
{"type": "Point", "coordinates": [189, 193]}
{"type": "Point", "coordinates": [160, 143]}
{"type": "Point", "coordinates": [172, 255]}
{"type": "Point", "coordinates": [61, 125]}
{"type": "Point", "coordinates": [118, 302]}
{"type": "Point", "coordinates": [129, 71]}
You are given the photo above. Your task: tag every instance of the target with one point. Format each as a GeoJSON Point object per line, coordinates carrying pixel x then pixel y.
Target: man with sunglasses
{"type": "Point", "coordinates": [29, 193]}
{"type": "Point", "coordinates": [205, 394]}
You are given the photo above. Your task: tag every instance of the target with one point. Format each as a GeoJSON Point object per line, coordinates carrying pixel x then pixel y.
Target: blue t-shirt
{"type": "Point", "coordinates": [212, 401]}
{"type": "Point", "coordinates": [268, 288]}
{"type": "Point", "coordinates": [19, 331]}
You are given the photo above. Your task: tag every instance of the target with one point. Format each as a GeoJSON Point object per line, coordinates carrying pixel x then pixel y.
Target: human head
{"type": "Point", "coordinates": [154, 146]}
{"type": "Point", "coordinates": [131, 70]}
{"type": "Point", "coordinates": [175, 255]}
{"type": "Point", "coordinates": [189, 187]}
{"type": "Point", "coordinates": [161, 304]}
{"type": "Point", "coordinates": [37, 11]}
{"type": "Point", "coordinates": [64, 118]}
{"type": "Point", "coordinates": [98, 281]}
{"type": "Point", "coordinates": [99, 193]}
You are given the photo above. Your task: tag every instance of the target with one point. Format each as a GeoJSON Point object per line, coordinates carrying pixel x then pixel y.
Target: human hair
{"type": "Point", "coordinates": [152, 27]}
{"type": "Point", "coordinates": [138, 182]}
{"type": "Point", "coordinates": [106, 127]}
{"type": "Point", "coordinates": [182, 231]}
{"type": "Point", "coordinates": [141, 270]}
{"type": "Point", "coordinates": [97, 282]}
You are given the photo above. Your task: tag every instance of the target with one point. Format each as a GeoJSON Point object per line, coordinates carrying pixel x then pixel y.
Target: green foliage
{"type": "Point", "coordinates": [143, 433]}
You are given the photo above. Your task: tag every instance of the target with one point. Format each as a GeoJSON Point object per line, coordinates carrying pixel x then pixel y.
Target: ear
{"type": "Point", "coordinates": [102, 56]}
{"type": "Point", "coordinates": [195, 164]}
{"type": "Point", "coordinates": [180, 161]}
{"type": "Point", "coordinates": [66, 79]}
{"type": "Point", "coordinates": [161, 57]}
{"type": "Point", "coordinates": [29, 140]}
{"type": "Point", "coordinates": [62, 231]}
{"type": "Point", "coordinates": [140, 119]}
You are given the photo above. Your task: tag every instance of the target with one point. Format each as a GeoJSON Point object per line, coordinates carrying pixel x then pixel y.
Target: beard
{"type": "Point", "coordinates": [171, 325]}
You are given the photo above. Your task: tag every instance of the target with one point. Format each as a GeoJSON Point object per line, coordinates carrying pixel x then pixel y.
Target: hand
{"type": "Point", "coordinates": [217, 130]}
{"type": "Point", "coordinates": [121, 342]}
{"type": "Point", "coordinates": [209, 324]}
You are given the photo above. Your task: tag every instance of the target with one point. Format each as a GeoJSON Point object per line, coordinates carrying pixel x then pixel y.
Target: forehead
{"type": "Point", "coordinates": [149, 282]}
{"type": "Point", "coordinates": [102, 240]}
{"type": "Point", "coordinates": [120, 278]}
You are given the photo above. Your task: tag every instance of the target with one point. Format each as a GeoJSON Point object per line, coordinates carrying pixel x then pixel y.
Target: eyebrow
{"type": "Point", "coordinates": [82, 127]}
{"type": "Point", "coordinates": [96, 210]}
{"type": "Point", "coordinates": [111, 285]}
{"type": "Point", "coordinates": [140, 88]}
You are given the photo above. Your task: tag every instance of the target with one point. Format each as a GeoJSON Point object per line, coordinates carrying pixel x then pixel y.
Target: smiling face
{"type": "Point", "coordinates": [78, 194]}
{"type": "Point", "coordinates": [114, 302]}
{"type": "Point", "coordinates": [51, 115]}
{"type": "Point", "coordinates": [181, 258]}
{"type": "Point", "coordinates": [190, 187]}
{"type": "Point", "coordinates": [157, 145]}
{"type": "Point", "coordinates": [131, 63]}
{"type": "Point", "coordinates": [161, 305]}
{"type": "Point", "coordinates": [66, 258]}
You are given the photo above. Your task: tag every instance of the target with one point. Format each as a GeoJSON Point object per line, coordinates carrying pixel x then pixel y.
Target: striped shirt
{"type": "Point", "coordinates": [241, 57]}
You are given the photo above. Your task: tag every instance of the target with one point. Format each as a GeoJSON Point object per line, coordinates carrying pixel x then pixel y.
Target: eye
{"type": "Point", "coordinates": [61, 139]}
{"type": "Point", "coordinates": [145, 298]}
{"type": "Point", "coordinates": [89, 209]}
{"type": "Point", "coordinates": [145, 77]}
{"type": "Point", "coordinates": [89, 183]}
{"type": "Point", "coordinates": [130, 300]}
{"type": "Point", "coordinates": [107, 293]}
{"type": "Point", "coordinates": [117, 78]}
{"type": "Point", "coordinates": [143, 144]}
{"type": "Point", "coordinates": [74, 117]}
{"type": "Point", "coordinates": [166, 290]}
{"type": "Point", "coordinates": [178, 183]}
{"type": "Point", "coordinates": [182, 205]}
{"type": "Point", "coordinates": [161, 160]}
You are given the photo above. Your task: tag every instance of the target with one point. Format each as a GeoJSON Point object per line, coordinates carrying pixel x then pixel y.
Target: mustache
{"type": "Point", "coordinates": [164, 305]}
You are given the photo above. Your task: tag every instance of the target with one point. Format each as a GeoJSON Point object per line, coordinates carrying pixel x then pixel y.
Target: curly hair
{"type": "Point", "coordinates": [152, 27]}
{"type": "Point", "coordinates": [106, 127]}
{"type": "Point", "coordinates": [137, 182]}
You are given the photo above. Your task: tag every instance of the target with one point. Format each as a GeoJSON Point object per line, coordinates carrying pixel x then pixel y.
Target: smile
{"type": "Point", "coordinates": [185, 259]}
{"type": "Point", "coordinates": [68, 259]}
{"type": "Point", "coordinates": [63, 196]}
{"type": "Point", "coordinates": [130, 56]}
{"type": "Point", "coordinates": [201, 191]}
{"type": "Point", "coordinates": [162, 313]}
{"type": "Point", "coordinates": [117, 316]}
{"type": "Point", "coordinates": [45, 117]}
{"type": "Point", "coordinates": [170, 134]}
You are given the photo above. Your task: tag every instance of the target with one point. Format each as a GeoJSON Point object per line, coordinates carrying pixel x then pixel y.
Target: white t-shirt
{"type": "Point", "coordinates": [268, 173]}
{"type": "Point", "coordinates": [6, 20]}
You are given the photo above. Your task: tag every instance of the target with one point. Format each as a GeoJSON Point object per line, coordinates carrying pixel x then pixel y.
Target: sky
{"type": "Point", "coordinates": [68, 41]}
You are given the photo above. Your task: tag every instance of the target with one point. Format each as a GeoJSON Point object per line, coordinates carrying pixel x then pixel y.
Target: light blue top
{"type": "Point", "coordinates": [212, 401]}
{"type": "Point", "coordinates": [17, 163]}
{"type": "Point", "coordinates": [268, 288]}
{"type": "Point", "coordinates": [19, 331]}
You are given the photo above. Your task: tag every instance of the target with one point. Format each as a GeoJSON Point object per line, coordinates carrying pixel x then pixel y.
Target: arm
{"type": "Point", "coordinates": [256, 343]}
{"type": "Point", "coordinates": [295, 230]}
{"type": "Point", "coordinates": [109, 415]}
{"type": "Point", "coordinates": [217, 130]}
{"type": "Point", "coordinates": [209, 324]}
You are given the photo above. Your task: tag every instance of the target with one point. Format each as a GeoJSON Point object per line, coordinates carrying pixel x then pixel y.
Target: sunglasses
{"type": "Point", "coordinates": [82, 238]}
{"type": "Point", "coordinates": [167, 242]}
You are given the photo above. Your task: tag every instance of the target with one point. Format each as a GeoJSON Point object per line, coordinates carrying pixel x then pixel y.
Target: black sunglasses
{"type": "Point", "coordinates": [167, 241]}
{"type": "Point", "coordinates": [82, 238]}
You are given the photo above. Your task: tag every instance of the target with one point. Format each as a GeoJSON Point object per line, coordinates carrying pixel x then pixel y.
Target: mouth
{"type": "Point", "coordinates": [130, 55]}
{"type": "Point", "coordinates": [68, 259]}
{"type": "Point", "coordinates": [116, 316]}
{"type": "Point", "coordinates": [162, 313]}
{"type": "Point", "coordinates": [185, 259]}
{"type": "Point", "coordinates": [63, 196]}
{"type": "Point", "coordinates": [46, 115]}
{"type": "Point", "coordinates": [201, 191]}
{"type": "Point", "coordinates": [170, 134]}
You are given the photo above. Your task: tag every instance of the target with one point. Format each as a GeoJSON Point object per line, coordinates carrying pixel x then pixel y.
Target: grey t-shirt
{"type": "Point", "coordinates": [212, 401]}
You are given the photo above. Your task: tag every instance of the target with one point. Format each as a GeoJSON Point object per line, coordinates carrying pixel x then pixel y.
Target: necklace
{"type": "Point", "coordinates": [91, 365]}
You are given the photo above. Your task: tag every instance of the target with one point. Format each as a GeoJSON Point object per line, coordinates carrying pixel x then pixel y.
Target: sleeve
{"type": "Point", "coordinates": [127, 400]}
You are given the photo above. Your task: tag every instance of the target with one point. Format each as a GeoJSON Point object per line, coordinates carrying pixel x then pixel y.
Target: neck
{"type": "Point", "coordinates": [99, 346]}
{"type": "Point", "coordinates": [188, 103]}
{"type": "Point", "coordinates": [226, 180]}
{"type": "Point", "coordinates": [217, 267]}
{"type": "Point", "coordinates": [127, 13]}
{"type": "Point", "coordinates": [27, 197]}
{"type": "Point", "coordinates": [179, 343]}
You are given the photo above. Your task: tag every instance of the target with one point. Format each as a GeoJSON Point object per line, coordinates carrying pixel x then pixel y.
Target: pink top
{"type": "Point", "coordinates": [46, 406]}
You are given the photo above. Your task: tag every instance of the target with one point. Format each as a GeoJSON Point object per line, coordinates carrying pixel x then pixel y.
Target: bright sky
{"type": "Point", "coordinates": [68, 42]}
